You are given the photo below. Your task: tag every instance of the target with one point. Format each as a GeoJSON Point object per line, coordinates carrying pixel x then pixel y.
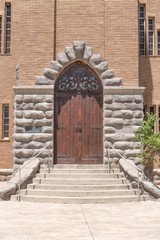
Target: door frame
{"type": "Point", "coordinates": [54, 104]}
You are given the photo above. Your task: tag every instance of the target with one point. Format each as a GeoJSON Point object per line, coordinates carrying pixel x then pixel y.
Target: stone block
{"type": "Point", "coordinates": [95, 59]}
{"type": "Point", "coordinates": [49, 98]}
{"type": "Point", "coordinates": [108, 99]}
{"type": "Point", "coordinates": [109, 130]}
{"type": "Point", "coordinates": [19, 99]}
{"type": "Point", "coordinates": [56, 66]}
{"type": "Point", "coordinates": [29, 98]}
{"type": "Point", "coordinates": [108, 113]}
{"type": "Point", "coordinates": [47, 129]}
{"type": "Point", "coordinates": [43, 137]}
{"type": "Point", "coordinates": [113, 137]}
{"type": "Point", "coordinates": [124, 145]}
{"type": "Point", "coordinates": [133, 106]}
{"type": "Point", "coordinates": [23, 153]}
{"type": "Point", "coordinates": [117, 114]}
{"type": "Point", "coordinates": [116, 122]}
{"type": "Point", "coordinates": [114, 154]}
{"type": "Point", "coordinates": [127, 114]}
{"type": "Point", "coordinates": [103, 66]}
{"type": "Point", "coordinates": [34, 114]}
{"type": "Point", "coordinates": [50, 73]}
{"type": "Point", "coordinates": [38, 98]}
{"type": "Point", "coordinates": [42, 80]}
{"type": "Point", "coordinates": [138, 114]}
{"type": "Point", "coordinates": [49, 114]}
{"type": "Point", "coordinates": [108, 74]}
{"type": "Point", "coordinates": [129, 137]}
{"type": "Point", "coordinates": [43, 122]}
{"type": "Point", "coordinates": [19, 129]}
{"type": "Point", "coordinates": [131, 153]}
{"type": "Point", "coordinates": [135, 129]}
{"type": "Point", "coordinates": [113, 82]}
{"type": "Point", "coordinates": [113, 106]}
{"type": "Point", "coordinates": [20, 106]}
{"type": "Point", "coordinates": [23, 137]}
{"type": "Point", "coordinates": [44, 154]}
{"type": "Point", "coordinates": [34, 145]}
{"type": "Point", "coordinates": [87, 53]}
{"type": "Point", "coordinates": [23, 122]}
{"type": "Point", "coordinates": [123, 98]}
{"type": "Point", "coordinates": [18, 113]}
{"type": "Point", "coordinates": [62, 59]}
{"type": "Point", "coordinates": [138, 99]}
{"type": "Point", "coordinates": [28, 106]}
{"type": "Point", "coordinates": [44, 106]}
{"type": "Point", "coordinates": [79, 48]}
{"type": "Point", "coordinates": [70, 53]}
{"type": "Point", "coordinates": [132, 122]}
{"type": "Point", "coordinates": [17, 145]}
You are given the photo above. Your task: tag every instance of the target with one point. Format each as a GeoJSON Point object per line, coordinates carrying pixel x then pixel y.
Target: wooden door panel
{"type": "Point", "coordinates": [92, 130]}
{"type": "Point", "coordinates": [79, 147]}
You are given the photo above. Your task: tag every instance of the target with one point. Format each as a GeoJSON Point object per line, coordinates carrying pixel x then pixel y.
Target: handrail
{"type": "Point", "coordinates": [124, 158]}
{"type": "Point", "coordinates": [19, 169]}
{"type": "Point", "coordinates": [138, 169]}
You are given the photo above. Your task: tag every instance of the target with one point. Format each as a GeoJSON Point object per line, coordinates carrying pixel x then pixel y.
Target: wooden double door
{"type": "Point", "coordinates": [78, 127]}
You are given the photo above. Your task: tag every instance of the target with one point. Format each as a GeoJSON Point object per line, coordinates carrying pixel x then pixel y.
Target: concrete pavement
{"type": "Point", "coordinates": [40, 221]}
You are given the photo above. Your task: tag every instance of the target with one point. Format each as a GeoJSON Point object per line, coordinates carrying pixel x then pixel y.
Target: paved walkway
{"type": "Point", "coordinates": [34, 221]}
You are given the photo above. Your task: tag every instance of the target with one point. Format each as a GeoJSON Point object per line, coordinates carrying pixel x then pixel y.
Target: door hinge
{"type": "Point", "coordinates": [61, 127]}
{"type": "Point", "coordinates": [96, 127]}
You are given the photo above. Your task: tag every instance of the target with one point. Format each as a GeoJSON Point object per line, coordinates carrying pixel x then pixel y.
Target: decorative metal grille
{"type": "Point", "coordinates": [78, 77]}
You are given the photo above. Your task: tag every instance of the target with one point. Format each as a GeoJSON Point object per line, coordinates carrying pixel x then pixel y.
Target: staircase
{"type": "Point", "coordinates": [79, 184]}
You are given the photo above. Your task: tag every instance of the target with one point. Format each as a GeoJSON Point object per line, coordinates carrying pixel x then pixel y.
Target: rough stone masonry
{"type": "Point", "coordinates": [34, 110]}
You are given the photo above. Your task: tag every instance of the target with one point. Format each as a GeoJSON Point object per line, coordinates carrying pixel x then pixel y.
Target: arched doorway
{"type": "Point", "coordinates": [78, 116]}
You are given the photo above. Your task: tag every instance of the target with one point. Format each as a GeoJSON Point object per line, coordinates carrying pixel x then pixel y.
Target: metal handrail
{"type": "Point", "coordinates": [138, 169]}
{"type": "Point", "coordinates": [19, 169]}
{"type": "Point", "coordinates": [124, 158]}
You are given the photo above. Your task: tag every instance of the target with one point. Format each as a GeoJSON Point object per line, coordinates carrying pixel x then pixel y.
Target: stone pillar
{"type": "Point", "coordinates": [123, 111]}
{"type": "Point", "coordinates": [33, 123]}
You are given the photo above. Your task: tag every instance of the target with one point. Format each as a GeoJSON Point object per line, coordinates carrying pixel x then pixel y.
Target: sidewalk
{"type": "Point", "coordinates": [34, 221]}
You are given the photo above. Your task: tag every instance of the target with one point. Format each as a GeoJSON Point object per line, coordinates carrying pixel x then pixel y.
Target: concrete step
{"type": "Point", "coordinates": [78, 193]}
{"type": "Point", "coordinates": [80, 171]}
{"type": "Point", "coordinates": [79, 200]}
{"type": "Point", "coordinates": [79, 187]}
{"type": "Point", "coordinates": [73, 181]}
{"type": "Point", "coordinates": [78, 176]}
{"type": "Point", "coordinates": [80, 166]}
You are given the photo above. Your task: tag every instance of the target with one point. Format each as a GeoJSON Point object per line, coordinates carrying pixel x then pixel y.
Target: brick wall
{"type": "Point", "coordinates": [7, 80]}
{"type": "Point", "coordinates": [121, 39]}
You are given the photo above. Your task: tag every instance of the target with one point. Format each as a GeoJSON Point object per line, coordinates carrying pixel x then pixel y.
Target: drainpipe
{"type": "Point", "coordinates": [55, 25]}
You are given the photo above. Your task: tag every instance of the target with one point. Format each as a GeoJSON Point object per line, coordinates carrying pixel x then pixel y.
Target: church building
{"type": "Point", "coordinates": [78, 74]}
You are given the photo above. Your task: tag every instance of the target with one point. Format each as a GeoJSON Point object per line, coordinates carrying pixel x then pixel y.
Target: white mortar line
{"type": "Point", "coordinates": [87, 223]}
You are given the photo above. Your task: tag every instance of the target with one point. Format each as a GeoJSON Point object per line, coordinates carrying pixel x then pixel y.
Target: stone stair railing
{"type": "Point", "coordinates": [23, 175]}
{"type": "Point", "coordinates": [135, 175]}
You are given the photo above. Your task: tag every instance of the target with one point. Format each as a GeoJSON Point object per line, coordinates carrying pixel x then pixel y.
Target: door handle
{"type": "Point", "coordinates": [78, 128]}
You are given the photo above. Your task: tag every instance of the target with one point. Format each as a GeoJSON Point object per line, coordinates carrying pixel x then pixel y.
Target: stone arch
{"type": "Point", "coordinates": [79, 51]}
{"type": "Point", "coordinates": [96, 84]}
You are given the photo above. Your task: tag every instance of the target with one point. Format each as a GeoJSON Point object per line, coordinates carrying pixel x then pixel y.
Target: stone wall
{"type": "Point", "coordinates": [122, 115]}
{"type": "Point", "coordinates": [32, 110]}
